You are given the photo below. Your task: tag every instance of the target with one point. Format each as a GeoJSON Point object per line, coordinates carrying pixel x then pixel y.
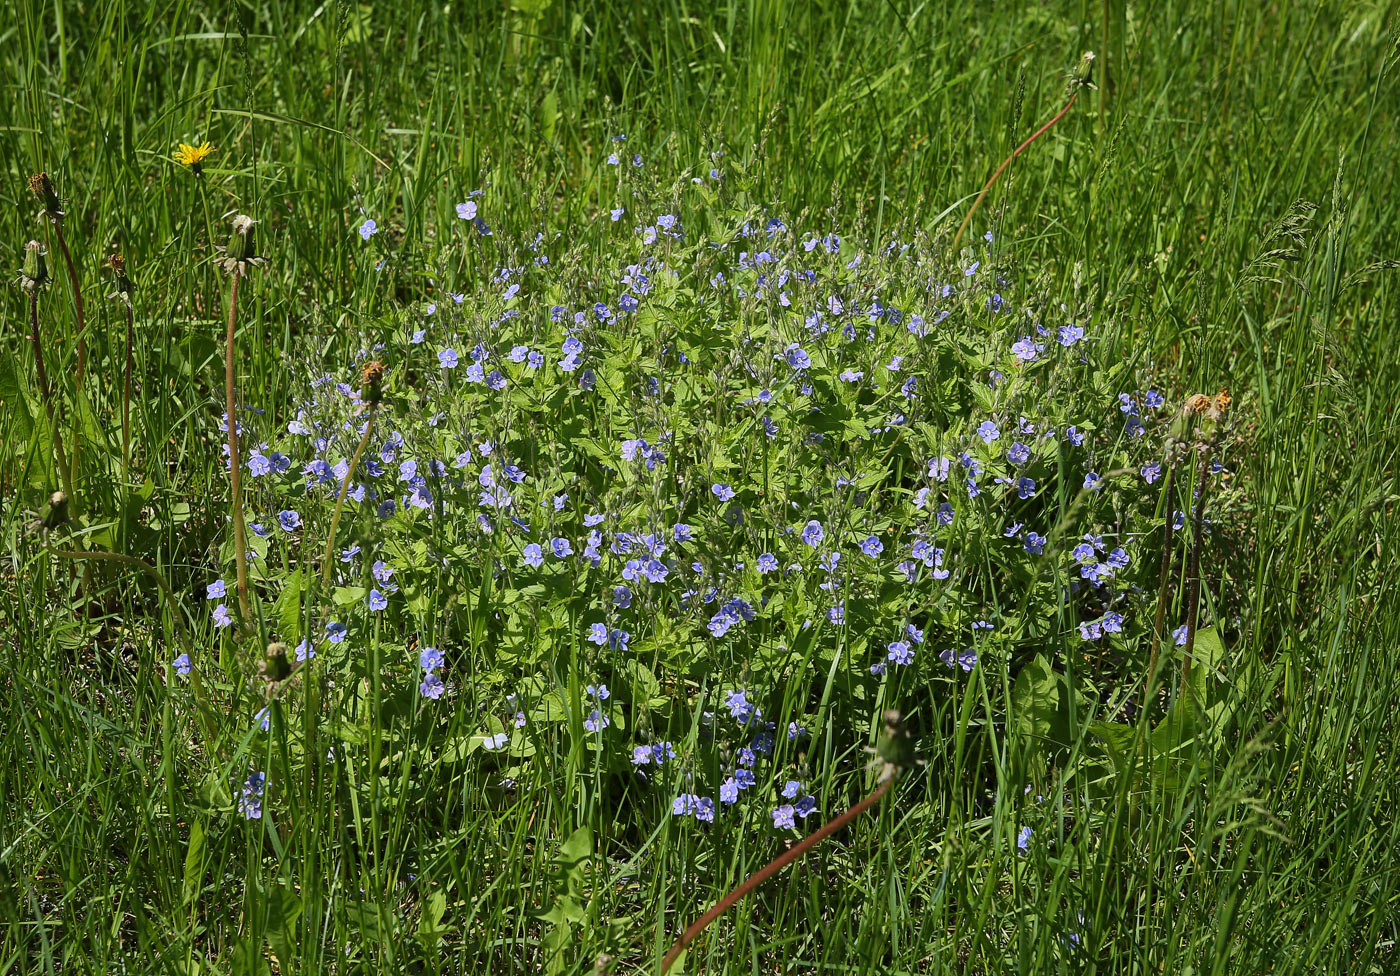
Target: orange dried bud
{"type": "Point", "coordinates": [1195, 403]}
{"type": "Point", "coordinates": [372, 382]}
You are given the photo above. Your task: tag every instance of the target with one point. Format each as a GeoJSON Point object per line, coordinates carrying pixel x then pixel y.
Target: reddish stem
{"type": "Point", "coordinates": [776, 865]}
{"type": "Point", "coordinates": [957, 239]}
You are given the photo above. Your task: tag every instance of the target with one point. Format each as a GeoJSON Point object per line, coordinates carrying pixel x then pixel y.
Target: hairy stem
{"type": "Point", "coordinates": [126, 398]}
{"type": "Point", "coordinates": [65, 476]}
{"type": "Point", "coordinates": [78, 312]}
{"type": "Point", "coordinates": [776, 865]}
{"type": "Point", "coordinates": [240, 554]}
{"type": "Point", "coordinates": [957, 238]}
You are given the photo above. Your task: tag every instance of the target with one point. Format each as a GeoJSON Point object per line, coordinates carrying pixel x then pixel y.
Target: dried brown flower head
{"type": "Point", "coordinates": [1196, 403]}
{"type": "Point", "coordinates": [372, 382]}
{"type": "Point", "coordinates": [42, 187]}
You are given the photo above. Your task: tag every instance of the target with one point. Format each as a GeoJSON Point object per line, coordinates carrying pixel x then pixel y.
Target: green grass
{"type": "Point", "coordinates": [1167, 201]}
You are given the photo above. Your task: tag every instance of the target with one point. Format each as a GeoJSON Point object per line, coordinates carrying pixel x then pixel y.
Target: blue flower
{"type": "Point", "coordinates": [596, 721]}
{"type": "Point", "coordinates": [335, 632]}
{"type": "Point", "coordinates": [221, 617]}
{"type": "Point", "coordinates": [767, 563]}
{"type": "Point", "coordinates": [900, 652]}
{"type": "Point", "coordinates": [368, 229]}
{"type": "Point", "coordinates": [1179, 635]}
{"type": "Point", "coordinates": [813, 533]}
{"type": "Point", "coordinates": [431, 686]}
{"type": "Point", "coordinates": [289, 520]}
{"type": "Point", "coordinates": [447, 359]}
{"type": "Point", "coordinates": [430, 659]}
{"type": "Point", "coordinates": [722, 491]}
{"type": "Point", "coordinates": [988, 431]}
{"type": "Point", "coordinates": [466, 211]}
{"type": "Point", "coordinates": [1023, 839]}
{"type": "Point", "coordinates": [791, 788]}
{"type": "Point", "coordinates": [1019, 453]}
{"type": "Point", "coordinates": [377, 600]}
{"type": "Point", "coordinates": [561, 547]}
{"type": "Point", "coordinates": [250, 799]}
{"type": "Point", "coordinates": [1034, 543]}
{"type": "Point", "coordinates": [181, 665]}
{"type": "Point", "coordinates": [783, 817]}
{"type": "Point", "coordinates": [872, 546]}
{"type": "Point", "coordinates": [215, 591]}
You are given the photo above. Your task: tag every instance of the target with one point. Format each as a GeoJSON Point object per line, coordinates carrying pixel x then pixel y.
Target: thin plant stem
{"type": "Point", "coordinates": [1193, 576]}
{"type": "Point", "coordinates": [1164, 586]}
{"type": "Point", "coordinates": [344, 490]}
{"type": "Point", "coordinates": [65, 476]}
{"type": "Point", "coordinates": [776, 865]}
{"type": "Point", "coordinates": [126, 397]}
{"type": "Point", "coordinates": [240, 554]}
{"type": "Point", "coordinates": [957, 238]}
{"type": "Point", "coordinates": [79, 315]}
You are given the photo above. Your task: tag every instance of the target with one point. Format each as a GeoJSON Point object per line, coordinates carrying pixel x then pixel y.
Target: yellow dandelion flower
{"type": "Point", "coordinates": [188, 155]}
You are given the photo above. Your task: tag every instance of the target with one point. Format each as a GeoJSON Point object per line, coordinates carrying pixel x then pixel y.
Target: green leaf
{"type": "Point", "coordinates": [194, 863]}
{"type": "Point", "coordinates": [287, 609]}
{"type": "Point", "coordinates": [283, 909]}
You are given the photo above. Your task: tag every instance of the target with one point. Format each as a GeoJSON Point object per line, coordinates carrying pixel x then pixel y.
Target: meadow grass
{"type": "Point", "coordinates": [1217, 213]}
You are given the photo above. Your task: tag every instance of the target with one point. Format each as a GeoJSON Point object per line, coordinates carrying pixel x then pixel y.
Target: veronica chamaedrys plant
{"type": "Point", "coordinates": [240, 254]}
{"type": "Point", "coordinates": [42, 187]}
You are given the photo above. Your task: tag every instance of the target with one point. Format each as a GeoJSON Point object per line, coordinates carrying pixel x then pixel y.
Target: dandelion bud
{"type": "Point", "coordinates": [895, 746]}
{"type": "Point", "coordinates": [42, 188]}
{"type": "Point", "coordinates": [276, 667]}
{"type": "Point", "coordinates": [241, 245]}
{"type": "Point", "coordinates": [1084, 70]}
{"type": "Point", "coordinates": [35, 272]}
{"type": "Point", "coordinates": [55, 511]}
{"type": "Point", "coordinates": [372, 382]}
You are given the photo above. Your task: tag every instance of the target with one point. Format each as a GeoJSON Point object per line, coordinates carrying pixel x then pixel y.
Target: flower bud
{"type": "Point", "coordinates": [275, 666]}
{"type": "Point", "coordinates": [55, 511]}
{"type": "Point", "coordinates": [35, 272]}
{"type": "Point", "coordinates": [1084, 70]}
{"type": "Point", "coordinates": [241, 244]}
